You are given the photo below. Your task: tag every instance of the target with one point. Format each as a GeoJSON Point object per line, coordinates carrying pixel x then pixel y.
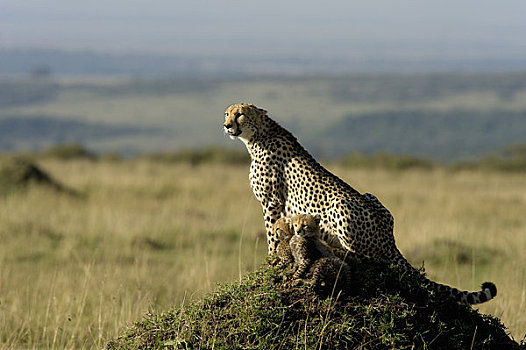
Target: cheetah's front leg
{"type": "Point", "coordinates": [272, 211]}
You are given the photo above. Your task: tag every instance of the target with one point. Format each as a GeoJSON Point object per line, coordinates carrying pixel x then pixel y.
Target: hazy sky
{"type": "Point", "coordinates": [263, 27]}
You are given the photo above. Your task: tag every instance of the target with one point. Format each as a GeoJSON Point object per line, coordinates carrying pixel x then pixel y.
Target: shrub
{"type": "Point", "coordinates": [68, 151]}
{"type": "Point", "coordinates": [510, 159]}
{"type": "Point", "coordinates": [385, 160]}
{"type": "Point", "coordinates": [202, 156]}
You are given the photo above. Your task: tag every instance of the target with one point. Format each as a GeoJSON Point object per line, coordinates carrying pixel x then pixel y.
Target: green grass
{"type": "Point", "coordinates": [150, 236]}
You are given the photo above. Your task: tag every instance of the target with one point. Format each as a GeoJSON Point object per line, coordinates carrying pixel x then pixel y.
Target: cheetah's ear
{"type": "Point", "coordinates": [258, 115]}
{"type": "Point", "coordinates": [317, 218]}
{"type": "Point", "coordinates": [259, 111]}
{"type": "Point", "coordinates": [286, 220]}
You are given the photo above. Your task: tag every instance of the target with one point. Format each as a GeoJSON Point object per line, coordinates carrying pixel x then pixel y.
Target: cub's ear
{"type": "Point", "coordinates": [317, 218]}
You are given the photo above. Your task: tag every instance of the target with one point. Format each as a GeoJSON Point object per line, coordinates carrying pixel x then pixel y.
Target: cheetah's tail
{"type": "Point", "coordinates": [487, 292]}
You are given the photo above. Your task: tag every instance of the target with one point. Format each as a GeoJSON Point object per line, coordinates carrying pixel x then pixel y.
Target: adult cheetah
{"type": "Point", "coordinates": [288, 181]}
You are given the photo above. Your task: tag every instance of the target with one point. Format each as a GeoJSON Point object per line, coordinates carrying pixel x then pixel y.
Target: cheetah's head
{"type": "Point", "coordinates": [306, 225]}
{"type": "Point", "coordinates": [282, 229]}
{"type": "Point", "coordinates": [243, 120]}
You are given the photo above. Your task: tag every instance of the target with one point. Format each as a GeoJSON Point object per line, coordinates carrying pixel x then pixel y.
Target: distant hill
{"type": "Point", "coordinates": [86, 63]}
{"type": "Point", "coordinates": [31, 61]}
{"type": "Point", "coordinates": [442, 136]}
{"type": "Point", "coordinates": [441, 116]}
{"type": "Point", "coordinates": [37, 131]}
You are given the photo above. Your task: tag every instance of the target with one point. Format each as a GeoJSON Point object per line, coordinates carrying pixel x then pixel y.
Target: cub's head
{"type": "Point", "coordinates": [306, 225]}
{"type": "Point", "coordinates": [243, 120]}
{"type": "Point", "coordinates": [282, 229]}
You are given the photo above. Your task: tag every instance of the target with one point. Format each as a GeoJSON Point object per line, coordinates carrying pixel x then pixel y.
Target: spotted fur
{"type": "Point", "coordinates": [283, 231]}
{"type": "Point", "coordinates": [312, 254]}
{"type": "Point", "coordinates": [288, 181]}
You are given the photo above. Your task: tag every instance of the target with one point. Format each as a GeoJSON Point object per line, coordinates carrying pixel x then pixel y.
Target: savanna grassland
{"type": "Point", "coordinates": [143, 235]}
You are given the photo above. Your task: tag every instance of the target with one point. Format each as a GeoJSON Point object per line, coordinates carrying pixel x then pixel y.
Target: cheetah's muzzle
{"type": "Point", "coordinates": [230, 131]}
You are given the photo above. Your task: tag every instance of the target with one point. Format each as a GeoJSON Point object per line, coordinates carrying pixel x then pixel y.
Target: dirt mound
{"type": "Point", "coordinates": [19, 173]}
{"type": "Point", "coordinates": [384, 310]}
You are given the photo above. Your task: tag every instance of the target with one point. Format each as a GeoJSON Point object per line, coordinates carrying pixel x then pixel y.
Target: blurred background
{"type": "Point", "coordinates": [121, 195]}
{"type": "Point", "coordinates": [444, 80]}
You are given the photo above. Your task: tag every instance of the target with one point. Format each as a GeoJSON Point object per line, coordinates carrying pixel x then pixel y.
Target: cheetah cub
{"type": "Point", "coordinates": [311, 253]}
{"type": "Point", "coordinates": [283, 231]}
